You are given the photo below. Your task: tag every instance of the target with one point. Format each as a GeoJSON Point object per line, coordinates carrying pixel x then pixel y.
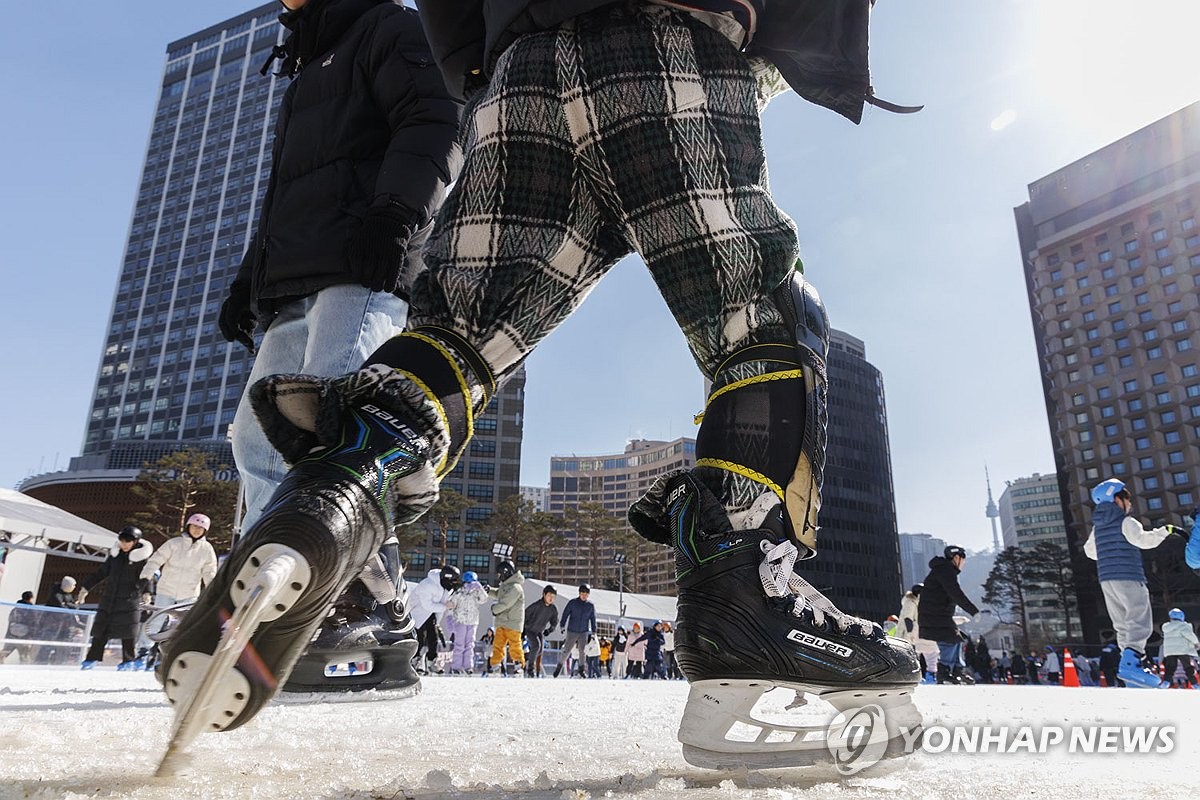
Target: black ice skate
{"type": "Point", "coordinates": [748, 624]}
{"type": "Point", "coordinates": [364, 648]}
{"type": "Point", "coordinates": [240, 641]}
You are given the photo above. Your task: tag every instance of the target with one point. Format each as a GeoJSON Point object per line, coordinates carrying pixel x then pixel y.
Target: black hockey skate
{"type": "Point", "coordinates": [748, 624]}
{"type": "Point", "coordinates": [363, 646]}
{"type": "Point", "coordinates": [240, 641]}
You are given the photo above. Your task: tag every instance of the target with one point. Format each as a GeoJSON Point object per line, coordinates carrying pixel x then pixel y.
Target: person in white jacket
{"type": "Point", "coordinates": [428, 601]}
{"type": "Point", "coordinates": [1179, 645]}
{"type": "Point", "coordinates": [461, 621]}
{"type": "Point", "coordinates": [184, 565]}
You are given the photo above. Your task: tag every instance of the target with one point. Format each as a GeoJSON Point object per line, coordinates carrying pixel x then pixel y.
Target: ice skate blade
{"type": "Point", "coordinates": [347, 695]}
{"type": "Point", "coordinates": [207, 690]}
{"type": "Point", "coordinates": [720, 731]}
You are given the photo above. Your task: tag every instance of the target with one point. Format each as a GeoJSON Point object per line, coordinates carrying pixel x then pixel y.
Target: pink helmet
{"type": "Point", "coordinates": [199, 519]}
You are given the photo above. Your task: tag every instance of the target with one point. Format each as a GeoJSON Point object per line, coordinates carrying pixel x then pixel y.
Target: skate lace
{"type": "Point", "coordinates": [781, 582]}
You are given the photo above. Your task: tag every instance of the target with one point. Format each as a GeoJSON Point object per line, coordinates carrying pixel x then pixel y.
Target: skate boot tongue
{"type": "Point", "coordinates": [783, 585]}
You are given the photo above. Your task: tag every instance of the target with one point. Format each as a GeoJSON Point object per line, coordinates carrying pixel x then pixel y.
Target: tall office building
{"type": "Point", "coordinates": [1031, 513]}
{"type": "Point", "coordinates": [1111, 254]}
{"type": "Point", "coordinates": [615, 482]}
{"type": "Point", "coordinates": [167, 379]}
{"type": "Point", "coordinates": [858, 559]}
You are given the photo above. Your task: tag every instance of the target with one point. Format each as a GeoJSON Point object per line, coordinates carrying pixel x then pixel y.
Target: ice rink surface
{"type": "Point", "coordinates": [99, 734]}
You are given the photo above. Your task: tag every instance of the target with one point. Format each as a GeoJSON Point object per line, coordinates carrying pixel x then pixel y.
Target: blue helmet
{"type": "Point", "coordinates": [470, 577]}
{"type": "Point", "coordinates": [1106, 491]}
{"type": "Point", "coordinates": [1176, 613]}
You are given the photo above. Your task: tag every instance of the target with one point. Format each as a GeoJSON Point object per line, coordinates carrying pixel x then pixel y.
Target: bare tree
{"type": "Point", "coordinates": [180, 484]}
{"type": "Point", "coordinates": [1048, 566]}
{"type": "Point", "coordinates": [446, 514]}
{"type": "Point", "coordinates": [1005, 589]}
{"type": "Point", "coordinates": [595, 528]}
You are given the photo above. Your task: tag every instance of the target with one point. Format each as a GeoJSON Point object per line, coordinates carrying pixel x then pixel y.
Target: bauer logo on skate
{"type": "Point", "coordinates": [817, 643]}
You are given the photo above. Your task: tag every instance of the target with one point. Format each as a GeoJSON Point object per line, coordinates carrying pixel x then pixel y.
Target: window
{"type": "Point", "coordinates": [1100, 369]}
{"type": "Point", "coordinates": [1081, 283]}
{"type": "Point", "coordinates": [1175, 457]}
{"type": "Point", "coordinates": [1087, 454]}
{"type": "Point", "coordinates": [1107, 412]}
{"type": "Point", "coordinates": [1158, 379]}
{"type": "Point", "coordinates": [1179, 326]}
{"type": "Point", "coordinates": [1060, 308]}
{"type": "Point", "coordinates": [1110, 290]}
{"type": "Point", "coordinates": [1108, 273]}
{"type": "Point", "coordinates": [1146, 462]}
{"type": "Point", "coordinates": [1125, 361]}
{"type": "Point", "coordinates": [1114, 449]}
{"type": "Point", "coordinates": [1149, 483]}
{"type": "Point", "coordinates": [1117, 468]}
{"type": "Point", "coordinates": [1080, 266]}
{"type": "Point", "coordinates": [1183, 344]}
{"type": "Point", "coordinates": [1089, 316]}
{"type": "Point", "coordinates": [1172, 437]}
{"type": "Point", "coordinates": [1093, 333]}
{"type": "Point", "coordinates": [1085, 436]}
{"type": "Point", "coordinates": [1081, 419]}
{"type": "Point", "coordinates": [1077, 400]}
{"type": "Point", "coordinates": [1171, 288]}
{"type": "Point", "coordinates": [1119, 325]}
{"type": "Point", "coordinates": [1130, 385]}
{"type": "Point", "coordinates": [1189, 371]}
{"type": "Point", "coordinates": [1105, 256]}
{"type": "Point", "coordinates": [1180, 478]}
{"type": "Point", "coordinates": [1174, 307]}
{"type": "Point", "coordinates": [1056, 275]}
{"type": "Point", "coordinates": [1188, 223]}
{"type": "Point", "coordinates": [1114, 308]}
{"type": "Point", "coordinates": [1162, 253]}
{"type": "Point", "coordinates": [1135, 263]}
{"type": "Point", "coordinates": [1166, 270]}
{"type": "Point", "coordinates": [1145, 316]}
{"type": "Point", "coordinates": [1159, 235]}
{"type": "Point", "coordinates": [1059, 291]}
{"type": "Point", "coordinates": [1141, 443]}
{"type": "Point", "coordinates": [1137, 281]}
{"type": "Point", "coordinates": [1135, 404]}
{"type": "Point", "coordinates": [1096, 351]}
{"type": "Point", "coordinates": [1184, 498]}
{"type": "Point", "coordinates": [1073, 375]}
{"type": "Point", "coordinates": [1138, 423]}
{"type": "Point", "coordinates": [1122, 342]}
{"type": "Point", "coordinates": [1162, 398]}
{"type": "Point", "coordinates": [1141, 298]}
{"type": "Point", "coordinates": [1154, 352]}
{"type": "Point", "coordinates": [1110, 430]}
{"type": "Point", "coordinates": [1104, 392]}
{"type": "Point", "coordinates": [1085, 299]}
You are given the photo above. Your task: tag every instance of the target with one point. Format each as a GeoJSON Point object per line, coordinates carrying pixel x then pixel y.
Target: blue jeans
{"type": "Point", "coordinates": [326, 334]}
{"type": "Point", "coordinates": [950, 654]}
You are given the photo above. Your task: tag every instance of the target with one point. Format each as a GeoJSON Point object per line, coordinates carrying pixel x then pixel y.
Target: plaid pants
{"type": "Point", "coordinates": [632, 128]}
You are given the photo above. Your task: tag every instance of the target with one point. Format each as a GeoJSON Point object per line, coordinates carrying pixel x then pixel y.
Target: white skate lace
{"type": "Point", "coordinates": [779, 580]}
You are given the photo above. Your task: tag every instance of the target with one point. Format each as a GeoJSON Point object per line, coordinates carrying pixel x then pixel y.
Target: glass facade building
{"type": "Point", "coordinates": [1111, 252]}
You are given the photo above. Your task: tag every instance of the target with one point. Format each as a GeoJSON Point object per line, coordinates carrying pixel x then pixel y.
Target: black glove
{"type": "Point", "coordinates": [144, 586]}
{"type": "Point", "coordinates": [908, 625]}
{"type": "Point", "coordinates": [377, 252]}
{"type": "Point", "coordinates": [548, 631]}
{"type": "Point", "coordinates": [237, 320]}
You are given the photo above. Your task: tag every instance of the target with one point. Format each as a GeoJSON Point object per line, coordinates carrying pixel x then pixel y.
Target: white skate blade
{"type": "Point", "coordinates": [163, 620]}
{"type": "Point", "coordinates": [207, 690]}
{"type": "Point", "coordinates": [720, 729]}
{"type": "Point", "coordinates": [348, 696]}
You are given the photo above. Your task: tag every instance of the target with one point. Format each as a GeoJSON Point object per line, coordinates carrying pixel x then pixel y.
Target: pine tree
{"type": "Point", "coordinates": [180, 484]}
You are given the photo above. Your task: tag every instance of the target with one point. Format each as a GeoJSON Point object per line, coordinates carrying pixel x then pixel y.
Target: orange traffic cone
{"type": "Point", "coordinates": [1103, 682]}
{"type": "Point", "coordinates": [1069, 676]}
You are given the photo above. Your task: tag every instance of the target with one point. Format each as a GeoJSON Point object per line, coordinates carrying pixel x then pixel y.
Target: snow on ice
{"type": "Point", "coordinates": [71, 734]}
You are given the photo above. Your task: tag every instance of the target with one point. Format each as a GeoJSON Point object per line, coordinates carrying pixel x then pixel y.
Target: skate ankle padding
{"type": "Point", "coordinates": [451, 374]}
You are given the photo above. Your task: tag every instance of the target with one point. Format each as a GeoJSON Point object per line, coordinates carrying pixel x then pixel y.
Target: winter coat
{"type": "Point", "coordinates": [541, 618]}
{"type": "Point", "coordinates": [367, 122]}
{"type": "Point", "coordinates": [183, 563]}
{"type": "Point", "coordinates": [819, 46]}
{"type": "Point", "coordinates": [653, 644]}
{"type": "Point", "coordinates": [118, 617]}
{"type": "Point", "coordinates": [592, 648]}
{"type": "Point", "coordinates": [428, 598]}
{"type": "Point", "coordinates": [935, 611]}
{"type": "Point", "coordinates": [1050, 663]}
{"type": "Point", "coordinates": [63, 627]}
{"type": "Point", "coordinates": [908, 628]}
{"type": "Point", "coordinates": [579, 616]}
{"type": "Point", "coordinates": [463, 605]}
{"type": "Point", "coordinates": [1117, 542]}
{"type": "Point", "coordinates": [22, 622]}
{"type": "Point", "coordinates": [669, 641]}
{"type": "Point", "coordinates": [635, 650]}
{"type": "Point", "coordinates": [1179, 639]}
{"type": "Point", "coordinates": [620, 641]}
{"type": "Point", "coordinates": [509, 608]}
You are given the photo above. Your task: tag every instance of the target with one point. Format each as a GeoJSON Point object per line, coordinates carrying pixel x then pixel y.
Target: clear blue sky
{"type": "Point", "coordinates": [905, 222]}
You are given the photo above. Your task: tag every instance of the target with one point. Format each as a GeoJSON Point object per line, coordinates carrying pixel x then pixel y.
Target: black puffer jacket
{"type": "Point", "coordinates": [367, 120]}
{"type": "Point", "coordinates": [118, 617]}
{"type": "Point", "coordinates": [935, 612]}
{"type": "Point", "coordinates": [819, 46]}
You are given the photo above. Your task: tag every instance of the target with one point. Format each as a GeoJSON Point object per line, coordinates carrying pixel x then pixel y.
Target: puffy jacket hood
{"type": "Point", "coordinates": [938, 561]}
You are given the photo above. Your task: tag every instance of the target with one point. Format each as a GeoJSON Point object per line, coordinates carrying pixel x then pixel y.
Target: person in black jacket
{"type": "Point", "coordinates": [365, 146]}
{"type": "Point", "coordinates": [118, 616]}
{"type": "Point", "coordinates": [541, 617]}
{"type": "Point", "coordinates": [935, 612]}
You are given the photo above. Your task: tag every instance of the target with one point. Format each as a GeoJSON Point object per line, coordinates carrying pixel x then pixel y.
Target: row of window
{"type": "Point", "coordinates": [1158, 233]}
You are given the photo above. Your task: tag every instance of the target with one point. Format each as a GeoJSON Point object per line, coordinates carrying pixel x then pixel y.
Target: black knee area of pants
{"type": "Point", "coordinates": [436, 368]}
{"type": "Point", "coordinates": [758, 426]}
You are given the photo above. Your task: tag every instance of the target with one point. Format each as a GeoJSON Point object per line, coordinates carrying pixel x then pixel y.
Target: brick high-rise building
{"type": "Point", "coordinates": [1111, 253]}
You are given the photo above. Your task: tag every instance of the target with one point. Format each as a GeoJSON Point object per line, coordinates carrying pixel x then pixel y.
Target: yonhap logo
{"type": "Point", "coordinates": [857, 738]}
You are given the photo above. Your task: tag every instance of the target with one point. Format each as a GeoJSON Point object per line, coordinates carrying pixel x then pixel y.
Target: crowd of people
{"type": "Point", "coordinates": [445, 611]}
